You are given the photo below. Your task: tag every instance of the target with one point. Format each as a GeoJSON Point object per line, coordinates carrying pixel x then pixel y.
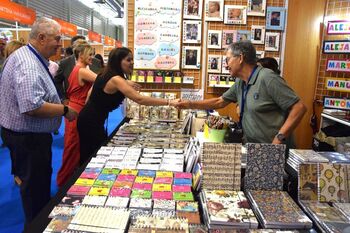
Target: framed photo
{"type": "Point", "coordinates": [214, 79]}
{"type": "Point", "coordinates": [193, 9]}
{"type": "Point", "coordinates": [235, 14]}
{"type": "Point", "coordinates": [192, 31]}
{"type": "Point", "coordinates": [257, 34]}
{"type": "Point", "coordinates": [214, 39]}
{"type": "Point", "coordinates": [272, 41]}
{"type": "Point", "coordinates": [228, 37]}
{"type": "Point", "coordinates": [260, 54]}
{"type": "Point", "coordinates": [191, 57]}
{"type": "Point", "coordinates": [214, 63]}
{"type": "Point", "coordinates": [256, 7]}
{"type": "Point", "coordinates": [243, 35]}
{"type": "Point", "coordinates": [275, 17]}
{"type": "Point", "coordinates": [214, 10]}
{"type": "Point", "coordinates": [224, 69]}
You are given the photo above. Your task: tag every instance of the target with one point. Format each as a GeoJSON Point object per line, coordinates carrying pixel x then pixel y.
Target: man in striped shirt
{"type": "Point", "coordinates": [30, 110]}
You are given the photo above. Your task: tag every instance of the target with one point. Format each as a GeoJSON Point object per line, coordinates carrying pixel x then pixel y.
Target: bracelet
{"type": "Point", "coordinates": [65, 110]}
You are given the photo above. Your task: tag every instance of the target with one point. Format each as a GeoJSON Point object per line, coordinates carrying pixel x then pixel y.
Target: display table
{"type": "Point", "coordinates": [228, 155]}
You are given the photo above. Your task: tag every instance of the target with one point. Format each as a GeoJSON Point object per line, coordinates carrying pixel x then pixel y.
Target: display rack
{"type": "Point", "coordinates": [251, 20]}
{"type": "Point", "coordinates": [336, 10]}
{"type": "Point", "coordinates": [164, 87]}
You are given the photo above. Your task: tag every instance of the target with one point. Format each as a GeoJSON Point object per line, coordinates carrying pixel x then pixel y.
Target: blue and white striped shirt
{"type": "Point", "coordinates": [24, 86]}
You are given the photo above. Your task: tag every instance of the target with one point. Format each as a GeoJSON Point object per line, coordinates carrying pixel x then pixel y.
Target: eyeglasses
{"type": "Point", "coordinates": [229, 58]}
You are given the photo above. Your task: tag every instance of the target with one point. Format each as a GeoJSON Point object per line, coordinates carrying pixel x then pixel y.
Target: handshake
{"type": "Point", "coordinates": [180, 104]}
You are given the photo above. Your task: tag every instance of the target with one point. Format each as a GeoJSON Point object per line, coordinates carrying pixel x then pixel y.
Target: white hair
{"type": "Point", "coordinates": [45, 26]}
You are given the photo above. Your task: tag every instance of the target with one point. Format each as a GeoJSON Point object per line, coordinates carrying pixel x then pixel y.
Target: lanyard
{"type": "Point", "coordinates": [41, 61]}
{"type": "Point", "coordinates": [245, 89]}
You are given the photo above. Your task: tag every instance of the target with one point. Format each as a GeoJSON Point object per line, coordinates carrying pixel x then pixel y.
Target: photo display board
{"type": "Point", "coordinates": [157, 34]}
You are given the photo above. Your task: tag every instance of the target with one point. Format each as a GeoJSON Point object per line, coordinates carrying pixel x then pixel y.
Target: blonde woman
{"type": "Point", "coordinates": [12, 46]}
{"type": "Point", "coordinates": [80, 81]}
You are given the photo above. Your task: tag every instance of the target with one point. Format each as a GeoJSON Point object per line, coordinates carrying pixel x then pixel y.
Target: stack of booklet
{"type": "Point", "coordinates": [277, 210]}
{"type": "Point", "coordinates": [297, 157]}
{"type": "Point", "coordinates": [328, 218]}
{"type": "Point", "coordinates": [227, 210]}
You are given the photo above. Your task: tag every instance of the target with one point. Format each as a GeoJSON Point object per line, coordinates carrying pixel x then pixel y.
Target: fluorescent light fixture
{"type": "Point", "coordinates": [105, 10]}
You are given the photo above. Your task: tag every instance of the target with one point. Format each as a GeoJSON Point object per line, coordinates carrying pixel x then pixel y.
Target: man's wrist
{"type": "Point", "coordinates": [281, 137]}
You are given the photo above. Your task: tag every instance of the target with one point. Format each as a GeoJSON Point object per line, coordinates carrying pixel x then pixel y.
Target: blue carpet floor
{"type": "Point", "coordinates": [11, 213]}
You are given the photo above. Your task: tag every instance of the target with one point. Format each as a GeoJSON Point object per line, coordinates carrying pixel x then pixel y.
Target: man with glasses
{"type": "Point", "coordinates": [30, 110]}
{"type": "Point", "coordinates": [269, 109]}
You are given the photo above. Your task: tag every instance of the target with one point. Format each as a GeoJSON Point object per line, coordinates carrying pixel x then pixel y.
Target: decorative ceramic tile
{"type": "Point", "coordinates": [265, 167]}
{"type": "Point", "coordinates": [277, 209]}
{"type": "Point", "coordinates": [308, 182]}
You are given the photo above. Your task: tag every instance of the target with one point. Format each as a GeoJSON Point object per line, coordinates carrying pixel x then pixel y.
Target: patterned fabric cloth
{"type": "Point", "coordinates": [24, 86]}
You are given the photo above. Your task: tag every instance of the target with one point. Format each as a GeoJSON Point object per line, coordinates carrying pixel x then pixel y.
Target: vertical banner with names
{"type": "Point", "coordinates": [157, 35]}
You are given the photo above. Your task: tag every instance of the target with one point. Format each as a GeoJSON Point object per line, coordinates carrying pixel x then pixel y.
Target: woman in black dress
{"type": "Point", "coordinates": [108, 92]}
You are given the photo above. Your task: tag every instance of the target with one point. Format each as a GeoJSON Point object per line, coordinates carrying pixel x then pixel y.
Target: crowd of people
{"type": "Point", "coordinates": [83, 90]}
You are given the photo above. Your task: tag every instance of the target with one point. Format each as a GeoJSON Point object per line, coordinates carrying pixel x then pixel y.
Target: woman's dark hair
{"type": "Point", "coordinates": [100, 58]}
{"type": "Point", "coordinates": [270, 63]}
{"type": "Point", "coordinates": [115, 58]}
